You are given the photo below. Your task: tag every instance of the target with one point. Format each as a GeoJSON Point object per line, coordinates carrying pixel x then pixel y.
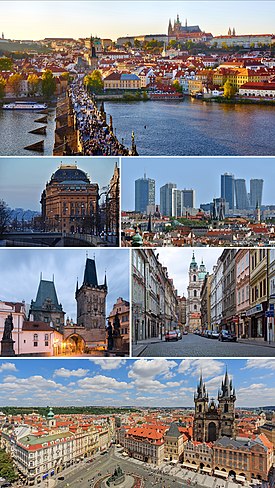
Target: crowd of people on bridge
{"type": "Point", "coordinates": [96, 136]}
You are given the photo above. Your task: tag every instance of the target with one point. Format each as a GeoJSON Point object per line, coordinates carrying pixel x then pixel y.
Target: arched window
{"type": "Point", "coordinates": [194, 278]}
{"type": "Point", "coordinates": [195, 293]}
{"type": "Point", "coordinates": [195, 307]}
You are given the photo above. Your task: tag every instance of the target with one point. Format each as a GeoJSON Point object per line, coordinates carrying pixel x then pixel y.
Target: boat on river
{"type": "Point", "coordinates": [25, 106]}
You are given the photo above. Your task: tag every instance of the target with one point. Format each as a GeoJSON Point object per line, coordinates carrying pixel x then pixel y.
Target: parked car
{"type": "Point", "coordinates": [185, 332]}
{"type": "Point", "coordinates": [171, 335]}
{"type": "Point", "coordinates": [215, 334]}
{"type": "Point", "coordinates": [179, 334]}
{"type": "Point", "coordinates": [226, 335]}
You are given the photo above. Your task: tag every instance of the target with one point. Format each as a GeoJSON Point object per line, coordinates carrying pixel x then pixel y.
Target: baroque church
{"type": "Point", "coordinates": [196, 278]}
{"type": "Point", "coordinates": [213, 420]}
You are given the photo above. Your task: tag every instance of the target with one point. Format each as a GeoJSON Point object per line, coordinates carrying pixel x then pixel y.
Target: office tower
{"type": "Point", "coordinates": [166, 199]}
{"type": "Point", "coordinates": [227, 189]}
{"type": "Point", "coordinates": [242, 202]}
{"type": "Point", "coordinates": [188, 198]}
{"type": "Point", "coordinates": [144, 193]}
{"type": "Point", "coordinates": [256, 192]}
{"type": "Point", "coordinates": [176, 202]}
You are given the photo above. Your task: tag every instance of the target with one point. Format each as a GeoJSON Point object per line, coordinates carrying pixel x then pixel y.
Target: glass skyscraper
{"type": "Point", "coordinates": [144, 193]}
{"type": "Point", "coordinates": [227, 189]}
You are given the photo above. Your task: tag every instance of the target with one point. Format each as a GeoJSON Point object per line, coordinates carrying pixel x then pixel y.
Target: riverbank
{"type": "Point", "coordinates": [238, 101]}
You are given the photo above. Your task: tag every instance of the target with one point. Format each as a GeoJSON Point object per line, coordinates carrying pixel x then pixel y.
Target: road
{"type": "Point", "coordinates": [196, 346]}
{"type": "Point", "coordinates": [86, 475]}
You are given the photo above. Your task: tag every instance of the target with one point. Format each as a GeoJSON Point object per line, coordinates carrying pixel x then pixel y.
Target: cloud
{"type": "Point", "coordinates": [7, 367]}
{"type": "Point", "coordinates": [258, 363]}
{"type": "Point", "coordinates": [150, 368]}
{"type": "Point", "coordinates": [208, 367]}
{"type": "Point", "coordinates": [67, 373]}
{"type": "Point", "coordinates": [110, 363]}
{"type": "Point", "coordinates": [102, 384]}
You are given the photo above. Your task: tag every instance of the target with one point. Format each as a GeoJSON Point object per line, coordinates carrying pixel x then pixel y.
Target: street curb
{"type": "Point", "coordinates": [242, 341]}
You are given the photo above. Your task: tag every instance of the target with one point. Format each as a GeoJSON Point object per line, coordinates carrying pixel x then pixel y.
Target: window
{"type": "Point", "coordinates": [35, 340]}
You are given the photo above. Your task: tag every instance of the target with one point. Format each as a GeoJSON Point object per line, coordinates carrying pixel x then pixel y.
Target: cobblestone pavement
{"type": "Point", "coordinates": [196, 346]}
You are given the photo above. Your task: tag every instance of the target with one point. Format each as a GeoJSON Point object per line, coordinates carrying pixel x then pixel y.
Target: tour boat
{"type": "Point", "coordinates": [166, 96]}
{"type": "Point", "coordinates": [24, 106]}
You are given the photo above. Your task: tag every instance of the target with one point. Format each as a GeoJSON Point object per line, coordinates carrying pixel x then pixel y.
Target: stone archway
{"type": "Point", "coordinates": [75, 344]}
{"type": "Point", "coordinates": [212, 432]}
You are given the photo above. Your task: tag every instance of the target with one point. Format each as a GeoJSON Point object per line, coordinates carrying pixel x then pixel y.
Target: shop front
{"type": "Point", "coordinates": [258, 321]}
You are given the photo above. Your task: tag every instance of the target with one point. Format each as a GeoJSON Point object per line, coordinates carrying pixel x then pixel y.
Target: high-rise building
{"type": "Point", "coordinates": [144, 193]}
{"type": "Point", "coordinates": [188, 198]}
{"type": "Point", "coordinates": [242, 202]}
{"type": "Point", "coordinates": [166, 199]}
{"type": "Point", "coordinates": [176, 203]}
{"type": "Point", "coordinates": [256, 192]}
{"type": "Point", "coordinates": [227, 189]}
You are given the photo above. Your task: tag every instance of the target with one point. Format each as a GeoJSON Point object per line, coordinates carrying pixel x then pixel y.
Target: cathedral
{"type": "Point", "coordinates": [196, 279]}
{"type": "Point", "coordinates": [177, 30]}
{"type": "Point", "coordinates": [211, 420]}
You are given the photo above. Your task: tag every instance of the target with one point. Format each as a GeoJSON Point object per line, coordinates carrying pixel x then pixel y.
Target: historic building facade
{"type": "Point", "coordinates": [70, 202]}
{"type": "Point", "coordinates": [212, 421]}
{"type": "Point", "coordinates": [196, 278]}
{"type": "Point", "coordinates": [46, 308]}
{"type": "Point", "coordinates": [90, 330]}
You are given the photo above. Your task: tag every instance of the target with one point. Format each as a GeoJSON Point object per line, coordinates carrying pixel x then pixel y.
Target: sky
{"type": "Point", "coordinates": [201, 174]}
{"type": "Point", "coordinates": [20, 274]}
{"type": "Point", "coordinates": [25, 190]}
{"type": "Point", "coordinates": [112, 19]}
{"type": "Point", "coordinates": [143, 382]}
{"type": "Point", "coordinates": [178, 262]}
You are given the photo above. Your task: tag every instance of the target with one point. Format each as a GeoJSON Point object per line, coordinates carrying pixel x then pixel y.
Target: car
{"type": "Point", "coordinates": [215, 334]}
{"type": "Point", "coordinates": [185, 332]}
{"type": "Point", "coordinates": [171, 335]}
{"type": "Point", "coordinates": [226, 335]}
{"type": "Point", "coordinates": [61, 478]}
{"type": "Point", "coordinates": [179, 334]}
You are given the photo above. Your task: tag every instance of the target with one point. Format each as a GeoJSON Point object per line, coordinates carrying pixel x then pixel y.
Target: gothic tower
{"type": "Point", "coordinates": [91, 299]}
{"type": "Point", "coordinates": [201, 407]}
{"type": "Point", "coordinates": [227, 398]}
{"type": "Point", "coordinates": [45, 308]}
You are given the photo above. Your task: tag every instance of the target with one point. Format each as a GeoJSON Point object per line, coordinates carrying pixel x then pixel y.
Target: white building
{"type": "Point", "coordinates": [216, 297]}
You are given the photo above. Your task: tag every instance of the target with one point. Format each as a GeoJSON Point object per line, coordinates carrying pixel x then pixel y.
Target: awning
{"type": "Point", "coordinates": [224, 474]}
{"type": "Point", "coordinates": [189, 465]}
{"type": "Point", "coordinates": [240, 478]}
{"type": "Point", "coordinates": [206, 469]}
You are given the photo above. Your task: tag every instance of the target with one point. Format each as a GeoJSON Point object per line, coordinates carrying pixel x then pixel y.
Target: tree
{"type": "Point", "coordinates": [6, 64]}
{"type": "Point", "coordinates": [137, 43]}
{"type": "Point", "coordinates": [6, 466]}
{"type": "Point", "coordinates": [177, 86]}
{"type": "Point", "coordinates": [94, 82]}
{"type": "Point", "coordinates": [5, 216]}
{"type": "Point", "coordinates": [229, 90]}
{"type": "Point", "coordinates": [15, 83]}
{"type": "Point", "coordinates": [48, 84]}
{"type": "Point", "coordinates": [2, 87]}
{"type": "Point", "coordinates": [33, 84]}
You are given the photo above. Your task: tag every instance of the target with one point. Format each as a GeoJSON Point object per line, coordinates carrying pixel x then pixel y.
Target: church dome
{"type": "Point", "coordinates": [69, 173]}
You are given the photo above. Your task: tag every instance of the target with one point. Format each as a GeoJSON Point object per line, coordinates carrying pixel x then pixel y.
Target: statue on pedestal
{"type": "Point", "coordinates": [110, 336]}
{"type": "Point", "coordinates": [7, 341]}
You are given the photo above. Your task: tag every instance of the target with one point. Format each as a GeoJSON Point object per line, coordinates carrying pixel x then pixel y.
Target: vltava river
{"type": "Point", "coordinates": [14, 132]}
{"type": "Point", "coordinates": [193, 127]}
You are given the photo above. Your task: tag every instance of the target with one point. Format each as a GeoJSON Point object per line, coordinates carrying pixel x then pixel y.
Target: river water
{"type": "Point", "coordinates": [175, 128]}
{"type": "Point", "coordinates": [193, 127]}
{"type": "Point", "coordinates": [14, 132]}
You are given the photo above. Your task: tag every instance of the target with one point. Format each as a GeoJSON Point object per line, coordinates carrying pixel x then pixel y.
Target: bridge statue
{"type": "Point", "coordinates": [7, 341]}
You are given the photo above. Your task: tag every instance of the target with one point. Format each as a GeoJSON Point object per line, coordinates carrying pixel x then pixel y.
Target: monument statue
{"type": "Point", "coordinates": [110, 336]}
{"type": "Point", "coordinates": [8, 328]}
{"type": "Point", "coordinates": [7, 341]}
{"type": "Point", "coordinates": [116, 326]}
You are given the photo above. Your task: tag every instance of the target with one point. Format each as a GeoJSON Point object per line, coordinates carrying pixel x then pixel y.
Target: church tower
{"type": "Point", "coordinates": [91, 299]}
{"type": "Point", "coordinates": [93, 59]}
{"type": "Point", "coordinates": [201, 408]}
{"type": "Point", "coordinates": [227, 398]}
{"type": "Point", "coordinates": [51, 421]}
{"type": "Point", "coordinates": [196, 279]}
